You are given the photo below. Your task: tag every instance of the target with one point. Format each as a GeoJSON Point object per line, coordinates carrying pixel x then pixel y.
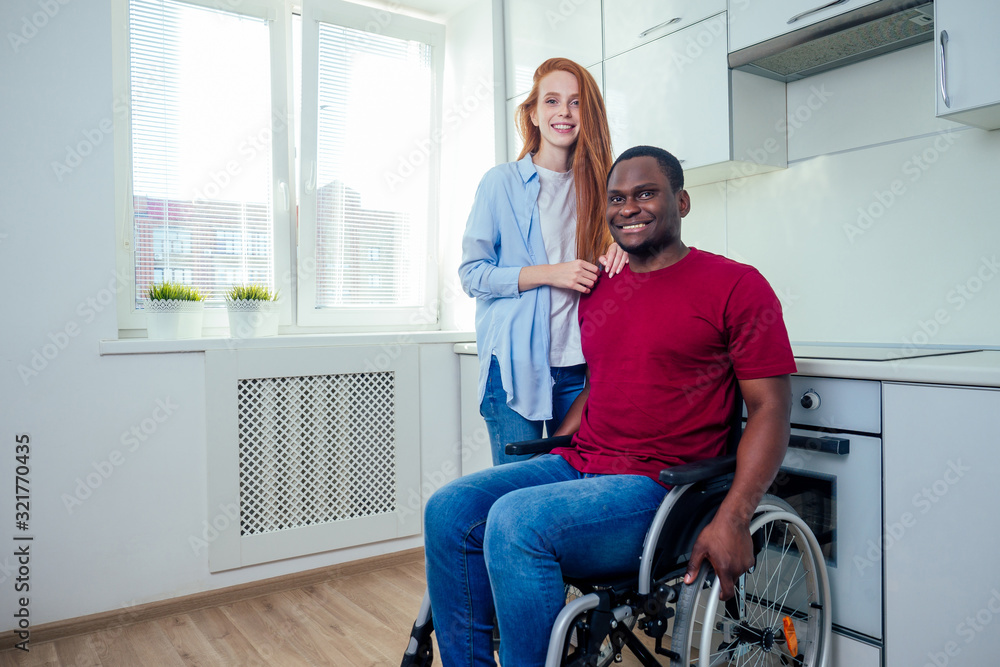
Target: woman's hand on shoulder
{"type": "Point", "coordinates": [614, 260]}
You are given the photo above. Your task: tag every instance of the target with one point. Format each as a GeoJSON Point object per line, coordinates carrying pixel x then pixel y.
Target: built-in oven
{"type": "Point", "coordinates": [833, 478]}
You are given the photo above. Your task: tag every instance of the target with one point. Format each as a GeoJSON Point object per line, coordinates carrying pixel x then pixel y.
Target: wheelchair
{"type": "Point", "coordinates": [780, 614]}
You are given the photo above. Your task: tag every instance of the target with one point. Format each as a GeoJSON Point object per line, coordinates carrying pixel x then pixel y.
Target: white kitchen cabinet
{"type": "Point", "coordinates": [678, 93]}
{"type": "Point", "coordinates": [536, 30]}
{"type": "Point", "coordinates": [967, 62]}
{"type": "Point", "coordinates": [846, 652]}
{"type": "Point", "coordinates": [630, 23]}
{"type": "Point", "coordinates": [754, 22]}
{"type": "Point", "coordinates": [941, 542]}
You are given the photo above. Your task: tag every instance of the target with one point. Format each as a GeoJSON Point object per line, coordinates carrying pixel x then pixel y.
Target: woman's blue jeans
{"type": "Point", "coordinates": [506, 425]}
{"type": "Point", "coordinates": [500, 540]}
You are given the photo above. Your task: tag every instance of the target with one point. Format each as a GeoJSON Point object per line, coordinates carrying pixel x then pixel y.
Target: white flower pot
{"type": "Point", "coordinates": [249, 318]}
{"type": "Point", "coordinates": [170, 319]}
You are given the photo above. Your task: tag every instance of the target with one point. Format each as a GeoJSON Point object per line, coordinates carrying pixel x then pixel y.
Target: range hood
{"type": "Point", "coordinates": [876, 28]}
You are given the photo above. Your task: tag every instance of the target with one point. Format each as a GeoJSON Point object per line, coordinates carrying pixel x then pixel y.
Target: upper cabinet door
{"type": "Point", "coordinates": [754, 22]}
{"type": "Point", "coordinates": [967, 62]}
{"type": "Point", "coordinates": [629, 23]}
{"type": "Point", "coordinates": [536, 30]}
{"type": "Point", "coordinates": [673, 93]}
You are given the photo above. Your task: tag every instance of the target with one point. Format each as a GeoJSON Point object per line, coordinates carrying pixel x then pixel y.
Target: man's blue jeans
{"type": "Point", "coordinates": [505, 425]}
{"type": "Point", "coordinates": [500, 540]}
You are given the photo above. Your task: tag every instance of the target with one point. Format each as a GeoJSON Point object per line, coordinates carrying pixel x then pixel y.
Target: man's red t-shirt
{"type": "Point", "coordinates": [663, 349]}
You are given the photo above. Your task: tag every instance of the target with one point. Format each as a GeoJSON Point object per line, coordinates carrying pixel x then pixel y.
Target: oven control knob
{"type": "Point", "coordinates": [810, 400]}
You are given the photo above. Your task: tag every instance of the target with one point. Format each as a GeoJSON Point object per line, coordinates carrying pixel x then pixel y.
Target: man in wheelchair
{"type": "Point", "coordinates": [666, 342]}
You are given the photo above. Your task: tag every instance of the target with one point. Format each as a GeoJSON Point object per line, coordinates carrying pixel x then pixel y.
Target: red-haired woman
{"type": "Point", "coordinates": [532, 243]}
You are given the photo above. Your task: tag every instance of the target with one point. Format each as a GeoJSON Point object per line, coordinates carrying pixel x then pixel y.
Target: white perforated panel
{"type": "Point", "coordinates": [315, 450]}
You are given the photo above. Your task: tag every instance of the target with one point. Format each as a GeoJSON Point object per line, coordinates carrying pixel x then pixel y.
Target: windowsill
{"type": "Point", "coordinates": [146, 346]}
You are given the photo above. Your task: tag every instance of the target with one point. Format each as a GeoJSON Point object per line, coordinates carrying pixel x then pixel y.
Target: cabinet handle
{"type": "Point", "coordinates": [837, 446]}
{"type": "Point", "coordinates": [944, 69]}
{"type": "Point", "coordinates": [657, 27]}
{"type": "Point", "coordinates": [813, 11]}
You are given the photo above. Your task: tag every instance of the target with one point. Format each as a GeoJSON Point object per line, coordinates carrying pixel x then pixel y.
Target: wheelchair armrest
{"type": "Point", "coordinates": [542, 446]}
{"type": "Point", "coordinates": [699, 471]}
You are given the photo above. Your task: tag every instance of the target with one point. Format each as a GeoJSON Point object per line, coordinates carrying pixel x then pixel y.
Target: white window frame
{"type": "Point", "coordinates": [132, 321]}
{"type": "Point", "coordinates": [369, 19]}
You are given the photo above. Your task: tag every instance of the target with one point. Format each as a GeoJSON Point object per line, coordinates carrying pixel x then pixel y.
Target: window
{"type": "Point", "coordinates": [204, 187]}
{"type": "Point", "coordinates": [370, 110]}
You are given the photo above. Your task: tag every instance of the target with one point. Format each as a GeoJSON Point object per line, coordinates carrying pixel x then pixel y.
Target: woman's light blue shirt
{"type": "Point", "coordinates": [503, 235]}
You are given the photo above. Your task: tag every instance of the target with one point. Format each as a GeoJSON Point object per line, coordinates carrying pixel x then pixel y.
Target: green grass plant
{"type": "Point", "coordinates": [167, 290]}
{"type": "Point", "coordinates": [252, 292]}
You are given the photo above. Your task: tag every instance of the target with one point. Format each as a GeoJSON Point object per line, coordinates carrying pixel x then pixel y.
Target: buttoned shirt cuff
{"type": "Point", "coordinates": [503, 281]}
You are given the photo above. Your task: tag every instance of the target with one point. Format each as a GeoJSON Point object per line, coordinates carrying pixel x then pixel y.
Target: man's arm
{"type": "Point", "coordinates": [726, 540]}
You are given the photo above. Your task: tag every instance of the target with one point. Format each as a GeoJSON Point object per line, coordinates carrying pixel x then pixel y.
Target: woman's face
{"type": "Point", "coordinates": [557, 114]}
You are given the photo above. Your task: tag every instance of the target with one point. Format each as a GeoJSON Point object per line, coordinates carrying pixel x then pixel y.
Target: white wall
{"type": "Point", "coordinates": [885, 227]}
{"type": "Point", "coordinates": [467, 148]}
{"type": "Point", "coordinates": [128, 541]}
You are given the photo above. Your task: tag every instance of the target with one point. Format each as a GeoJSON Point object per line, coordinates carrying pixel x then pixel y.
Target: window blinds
{"type": "Point", "coordinates": [375, 101]}
{"type": "Point", "coordinates": [201, 147]}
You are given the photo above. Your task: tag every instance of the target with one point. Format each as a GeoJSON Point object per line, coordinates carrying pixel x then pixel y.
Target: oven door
{"type": "Point", "coordinates": [839, 494]}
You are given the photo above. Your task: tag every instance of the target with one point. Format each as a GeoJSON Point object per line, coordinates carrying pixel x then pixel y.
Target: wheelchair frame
{"type": "Point", "coordinates": [601, 620]}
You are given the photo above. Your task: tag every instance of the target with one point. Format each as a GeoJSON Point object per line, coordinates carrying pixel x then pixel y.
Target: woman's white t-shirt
{"type": "Point", "coordinates": [557, 213]}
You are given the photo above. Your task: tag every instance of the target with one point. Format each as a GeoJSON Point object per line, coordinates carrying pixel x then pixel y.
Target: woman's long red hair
{"type": "Point", "coordinates": [590, 155]}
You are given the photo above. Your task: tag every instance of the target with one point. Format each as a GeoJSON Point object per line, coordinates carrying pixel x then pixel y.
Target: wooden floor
{"type": "Point", "coordinates": [359, 620]}
{"type": "Point", "coordinates": [351, 621]}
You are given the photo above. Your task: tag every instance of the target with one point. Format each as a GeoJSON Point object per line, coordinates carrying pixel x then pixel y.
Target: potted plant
{"type": "Point", "coordinates": [253, 311]}
{"type": "Point", "coordinates": [173, 311]}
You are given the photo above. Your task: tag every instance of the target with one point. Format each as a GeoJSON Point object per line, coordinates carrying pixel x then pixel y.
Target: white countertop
{"type": "Point", "coordinates": [974, 369]}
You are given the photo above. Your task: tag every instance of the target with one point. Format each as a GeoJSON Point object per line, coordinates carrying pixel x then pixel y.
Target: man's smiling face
{"type": "Point", "coordinates": [644, 213]}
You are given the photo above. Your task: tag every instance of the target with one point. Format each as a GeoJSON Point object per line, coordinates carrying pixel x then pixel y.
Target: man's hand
{"type": "Point", "coordinates": [727, 545]}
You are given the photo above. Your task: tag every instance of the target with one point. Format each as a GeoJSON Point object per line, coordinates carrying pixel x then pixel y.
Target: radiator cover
{"type": "Point", "coordinates": [316, 448]}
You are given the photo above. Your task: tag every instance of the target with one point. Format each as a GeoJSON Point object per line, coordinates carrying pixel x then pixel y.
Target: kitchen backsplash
{"type": "Point", "coordinates": [885, 228]}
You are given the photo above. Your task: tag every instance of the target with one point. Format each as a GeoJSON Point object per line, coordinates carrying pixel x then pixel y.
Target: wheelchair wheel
{"type": "Point", "coordinates": [780, 614]}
